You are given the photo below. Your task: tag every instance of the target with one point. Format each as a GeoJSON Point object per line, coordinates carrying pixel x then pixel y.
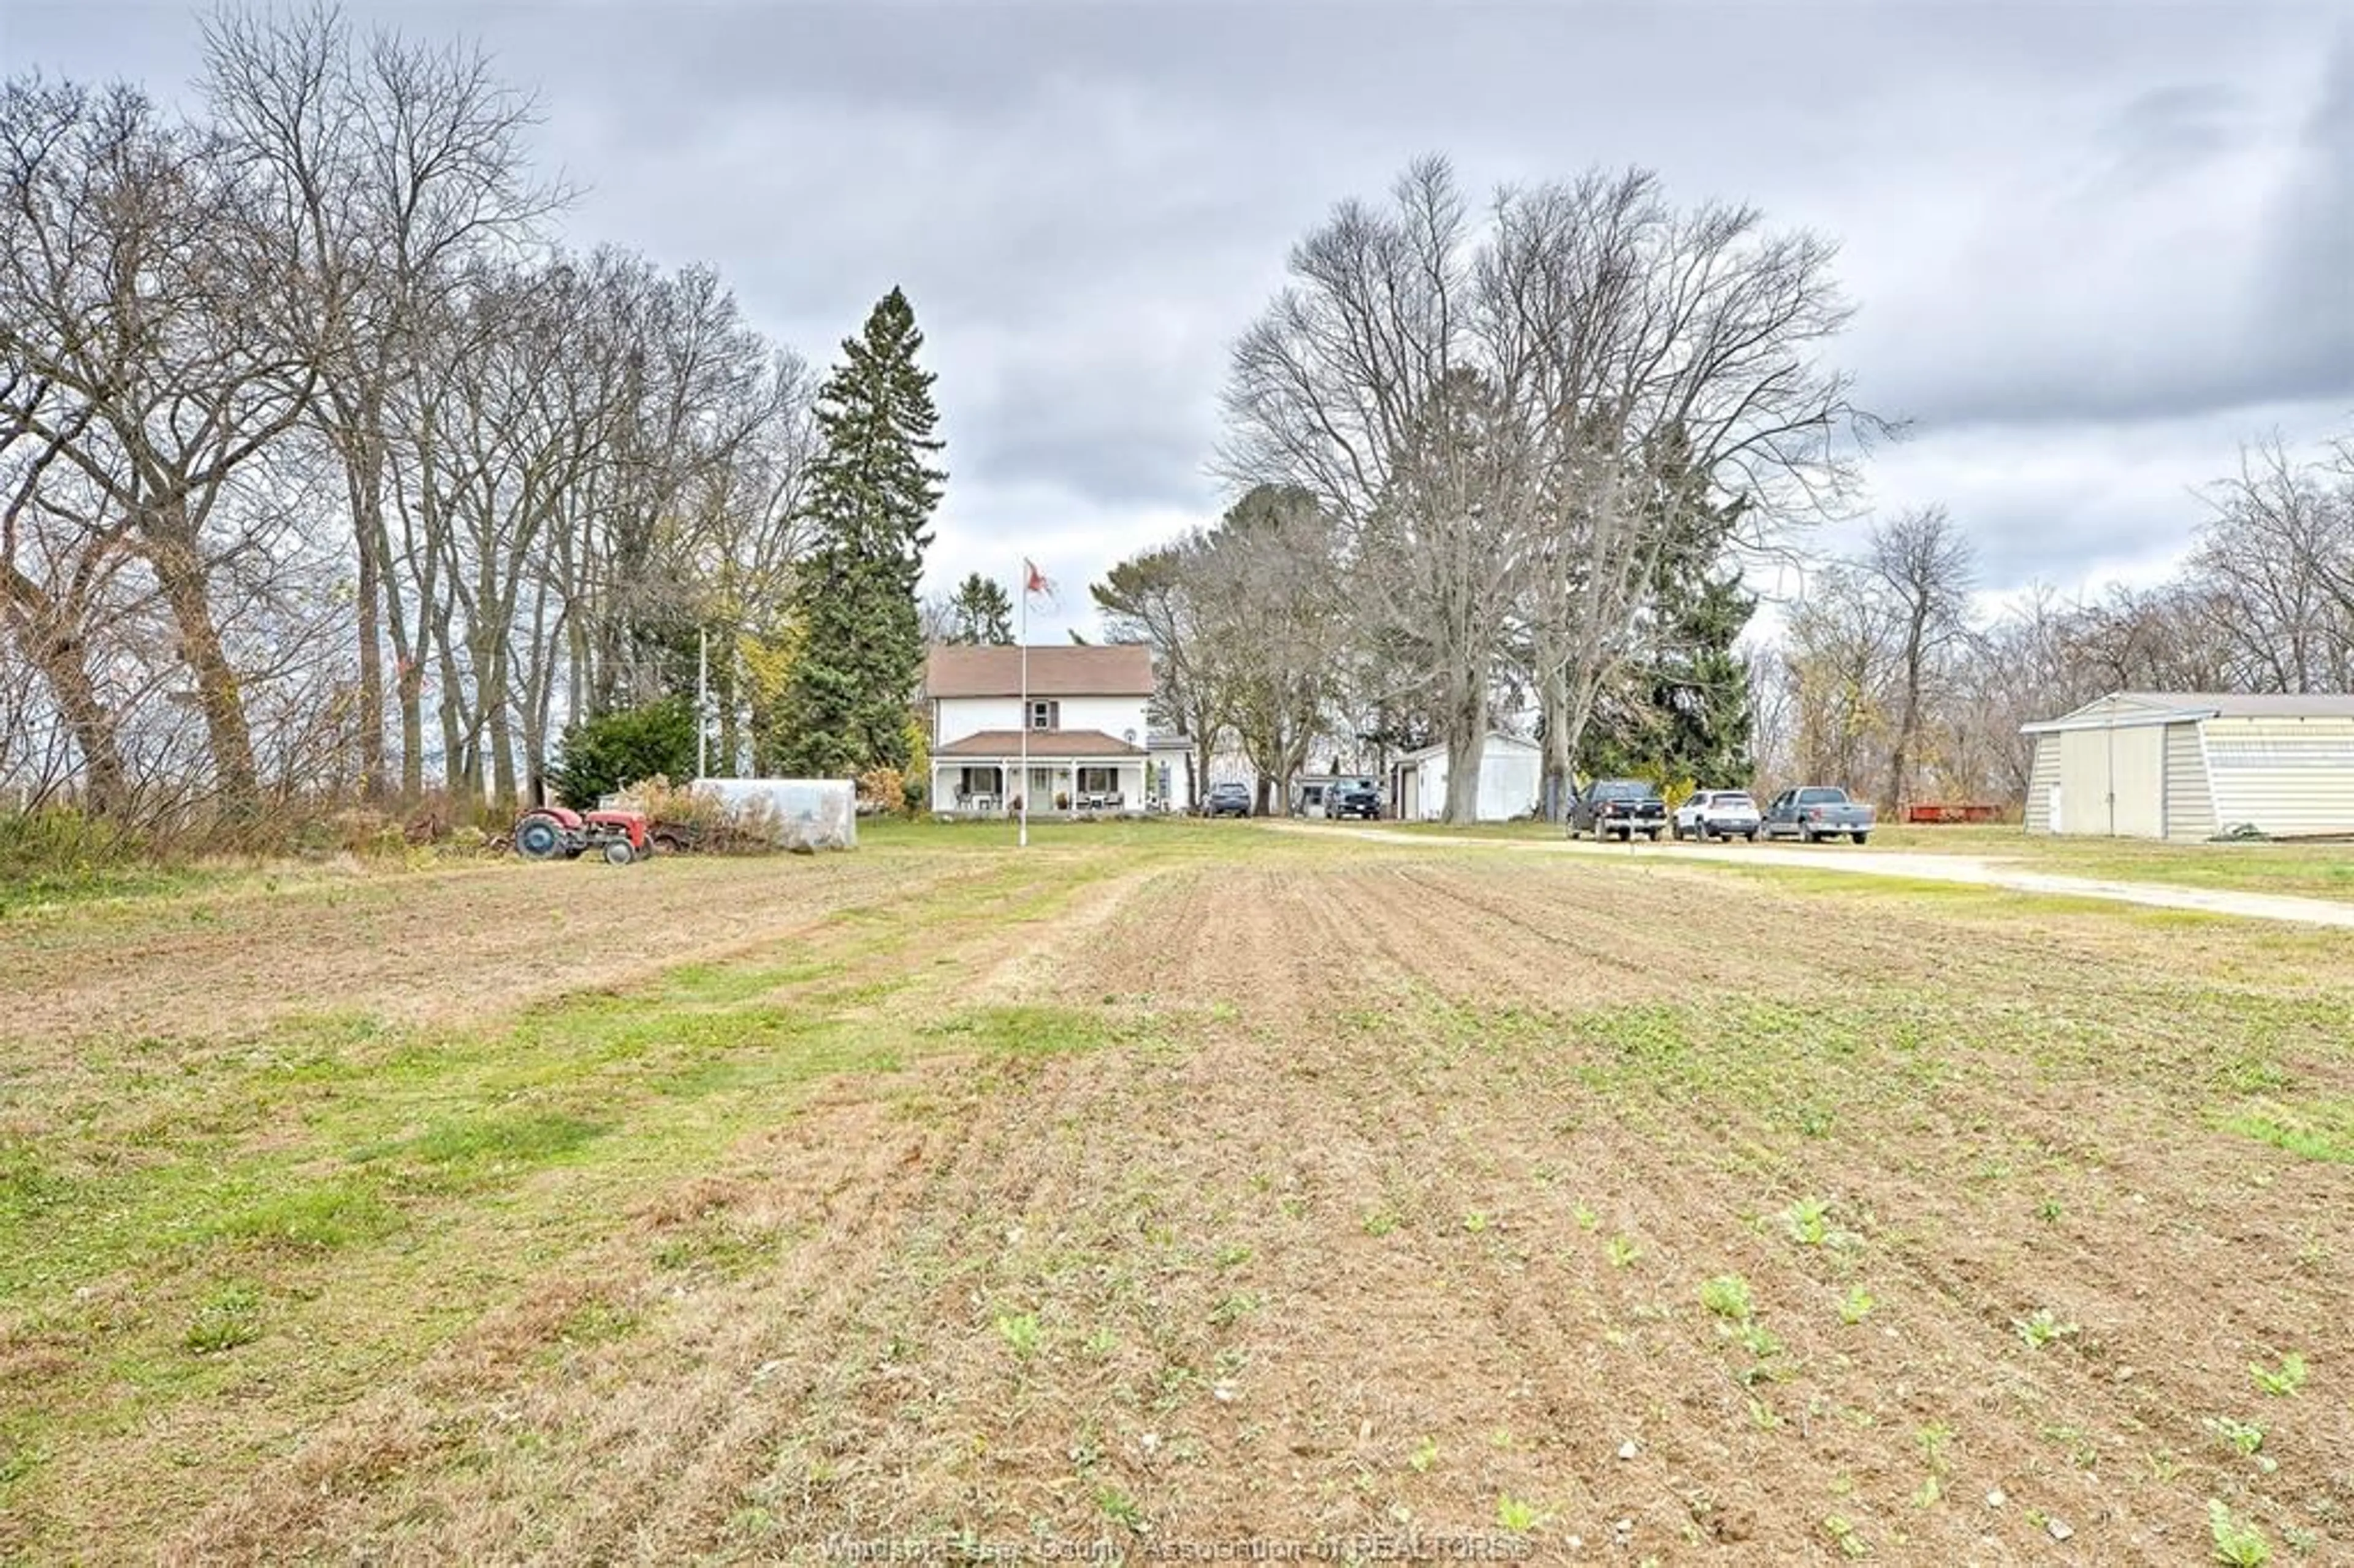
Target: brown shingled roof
{"type": "Point", "coordinates": [1113, 670]}
{"type": "Point", "coordinates": [1045, 745]}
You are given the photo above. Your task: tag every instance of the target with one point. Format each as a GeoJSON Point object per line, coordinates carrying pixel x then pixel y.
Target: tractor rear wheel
{"type": "Point", "coordinates": [539, 837]}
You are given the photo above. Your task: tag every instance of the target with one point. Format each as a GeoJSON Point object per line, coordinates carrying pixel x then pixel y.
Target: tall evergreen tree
{"type": "Point", "coordinates": [1685, 714]}
{"type": "Point", "coordinates": [979, 612]}
{"type": "Point", "coordinates": [1703, 688]}
{"type": "Point", "coordinates": [1682, 710]}
{"type": "Point", "coordinates": [870, 504]}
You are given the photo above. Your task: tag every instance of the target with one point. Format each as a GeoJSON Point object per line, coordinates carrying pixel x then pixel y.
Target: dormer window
{"type": "Point", "coordinates": [1046, 716]}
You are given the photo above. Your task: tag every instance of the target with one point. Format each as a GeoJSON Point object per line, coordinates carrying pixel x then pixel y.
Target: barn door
{"type": "Point", "coordinates": [2137, 780]}
{"type": "Point", "coordinates": [2085, 780]}
{"type": "Point", "coordinates": [2114, 781]}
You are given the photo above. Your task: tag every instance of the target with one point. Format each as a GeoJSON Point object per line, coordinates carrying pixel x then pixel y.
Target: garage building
{"type": "Point", "coordinates": [1510, 768]}
{"type": "Point", "coordinates": [2190, 765]}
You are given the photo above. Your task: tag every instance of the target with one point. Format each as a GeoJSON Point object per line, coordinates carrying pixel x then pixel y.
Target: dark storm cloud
{"type": "Point", "coordinates": [2075, 506]}
{"type": "Point", "coordinates": [2311, 269]}
{"type": "Point", "coordinates": [2192, 256]}
{"type": "Point", "coordinates": [2090, 244]}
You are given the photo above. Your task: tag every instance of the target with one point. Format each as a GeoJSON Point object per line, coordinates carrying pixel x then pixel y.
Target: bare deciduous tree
{"type": "Point", "coordinates": [1375, 384]}
{"type": "Point", "coordinates": [1155, 599]}
{"type": "Point", "coordinates": [286, 389]}
{"type": "Point", "coordinates": [53, 578]}
{"type": "Point", "coordinates": [139, 278]}
{"type": "Point", "coordinates": [1268, 588]}
{"type": "Point", "coordinates": [1926, 569]}
{"type": "Point", "coordinates": [1687, 411]}
{"type": "Point", "coordinates": [1513, 423]}
{"type": "Point", "coordinates": [393, 166]}
{"type": "Point", "coordinates": [2276, 564]}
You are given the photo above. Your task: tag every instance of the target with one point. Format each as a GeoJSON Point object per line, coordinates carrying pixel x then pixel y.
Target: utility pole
{"type": "Point", "coordinates": [1022, 833]}
{"type": "Point", "coordinates": [703, 701]}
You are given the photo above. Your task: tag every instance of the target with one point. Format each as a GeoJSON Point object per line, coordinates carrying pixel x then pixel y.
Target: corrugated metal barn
{"type": "Point", "coordinates": [2190, 765]}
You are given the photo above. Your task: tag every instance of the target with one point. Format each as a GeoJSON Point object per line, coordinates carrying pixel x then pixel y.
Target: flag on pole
{"type": "Point", "coordinates": [1032, 581]}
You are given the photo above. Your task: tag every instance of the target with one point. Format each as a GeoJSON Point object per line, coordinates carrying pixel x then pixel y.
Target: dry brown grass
{"type": "Point", "coordinates": [1236, 1189]}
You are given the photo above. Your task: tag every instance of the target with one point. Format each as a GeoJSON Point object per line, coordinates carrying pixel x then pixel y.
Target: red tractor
{"type": "Point", "coordinates": [556, 832]}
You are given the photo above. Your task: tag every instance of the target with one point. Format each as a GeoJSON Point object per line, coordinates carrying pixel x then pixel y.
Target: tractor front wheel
{"type": "Point", "coordinates": [539, 838]}
{"type": "Point", "coordinates": [618, 853]}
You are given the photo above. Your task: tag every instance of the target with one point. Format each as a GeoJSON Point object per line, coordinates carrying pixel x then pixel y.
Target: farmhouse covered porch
{"type": "Point", "coordinates": [1070, 772]}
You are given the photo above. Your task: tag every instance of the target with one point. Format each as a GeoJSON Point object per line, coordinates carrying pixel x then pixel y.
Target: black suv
{"type": "Point", "coordinates": [1621, 806]}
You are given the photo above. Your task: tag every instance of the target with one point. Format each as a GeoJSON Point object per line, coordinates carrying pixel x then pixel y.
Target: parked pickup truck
{"type": "Point", "coordinates": [1623, 807]}
{"type": "Point", "coordinates": [1354, 798]}
{"type": "Point", "coordinates": [1815, 813]}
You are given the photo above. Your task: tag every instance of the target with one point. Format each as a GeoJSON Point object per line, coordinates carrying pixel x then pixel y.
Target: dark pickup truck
{"type": "Point", "coordinates": [1623, 807]}
{"type": "Point", "coordinates": [1353, 799]}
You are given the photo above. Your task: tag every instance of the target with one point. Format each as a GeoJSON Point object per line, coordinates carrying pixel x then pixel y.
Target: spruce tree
{"type": "Point", "coordinates": [871, 496]}
{"type": "Point", "coordinates": [980, 612]}
{"type": "Point", "coordinates": [1701, 688]}
{"type": "Point", "coordinates": [1684, 712]}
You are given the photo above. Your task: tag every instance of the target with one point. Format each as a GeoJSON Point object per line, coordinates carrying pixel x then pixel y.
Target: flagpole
{"type": "Point", "coordinates": [1023, 834]}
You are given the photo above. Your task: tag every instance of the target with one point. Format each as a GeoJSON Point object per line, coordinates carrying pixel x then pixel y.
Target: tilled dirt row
{"type": "Point", "coordinates": [1393, 1215]}
{"type": "Point", "coordinates": [442, 945]}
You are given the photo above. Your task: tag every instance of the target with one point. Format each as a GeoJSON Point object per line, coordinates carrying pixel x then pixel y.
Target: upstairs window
{"type": "Point", "coordinates": [1046, 715]}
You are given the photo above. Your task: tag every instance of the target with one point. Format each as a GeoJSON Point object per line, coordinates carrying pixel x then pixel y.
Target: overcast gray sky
{"type": "Point", "coordinates": [2094, 246]}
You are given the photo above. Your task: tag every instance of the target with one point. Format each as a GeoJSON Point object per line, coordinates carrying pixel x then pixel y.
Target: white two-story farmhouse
{"type": "Point", "coordinates": [1084, 723]}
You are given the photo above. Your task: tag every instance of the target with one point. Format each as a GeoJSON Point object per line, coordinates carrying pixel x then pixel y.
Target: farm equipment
{"type": "Point", "coordinates": [556, 832]}
{"type": "Point", "coordinates": [1948, 812]}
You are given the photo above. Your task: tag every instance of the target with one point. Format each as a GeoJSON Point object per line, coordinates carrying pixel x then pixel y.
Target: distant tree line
{"type": "Point", "coordinates": [328, 471]}
{"type": "Point", "coordinates": [1889, 679]}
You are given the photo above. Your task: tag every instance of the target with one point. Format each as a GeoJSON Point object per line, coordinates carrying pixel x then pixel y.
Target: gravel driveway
{"type": "Point", "coordinates": [1970, 869]}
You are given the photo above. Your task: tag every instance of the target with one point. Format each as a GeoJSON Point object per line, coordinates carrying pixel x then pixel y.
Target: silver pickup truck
{"type": "Point", "coordinates": [1815, 813]}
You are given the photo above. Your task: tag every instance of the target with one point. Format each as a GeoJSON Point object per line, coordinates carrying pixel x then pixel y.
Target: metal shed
{"type": "Point", "coordinates": [1509, 771]}
{"type": "Point", "coordinates": [2190, 765]}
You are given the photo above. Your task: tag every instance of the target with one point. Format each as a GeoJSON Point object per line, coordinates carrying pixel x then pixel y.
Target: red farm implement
{"type": "Point", "coordinates": [1934, 811]}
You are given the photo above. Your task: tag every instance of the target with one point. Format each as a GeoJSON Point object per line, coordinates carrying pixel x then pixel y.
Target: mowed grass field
{"type": "Point", "coordinates": [1167, 1185]}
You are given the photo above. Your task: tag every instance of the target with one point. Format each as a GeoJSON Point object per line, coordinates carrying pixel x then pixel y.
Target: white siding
{"type": "Point", "coordinates": [2286, 776]}
{"type": "Point", "coordinates": [2043, 775]}
{"type": "Point", "coordinates": [2190, 804]}
{"type": "Point", "coordinates": [961, 716]}
{"type": "Point", "coordinates": [1119, 717]}
{"type": "Point", "coordinates": [1116, 716]}
{"type": "Point", "coordinates": [1430, 789]}
{"type": "Point", "coordinates": [1508, 783]}
{"type": "Point", "coordinates": [1509, 774]}
{"type": "Point", "coordinates": [1177, 762]}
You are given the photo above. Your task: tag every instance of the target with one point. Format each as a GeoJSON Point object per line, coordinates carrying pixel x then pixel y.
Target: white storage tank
{"type": "Point", "coordinates": [804, 813]}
